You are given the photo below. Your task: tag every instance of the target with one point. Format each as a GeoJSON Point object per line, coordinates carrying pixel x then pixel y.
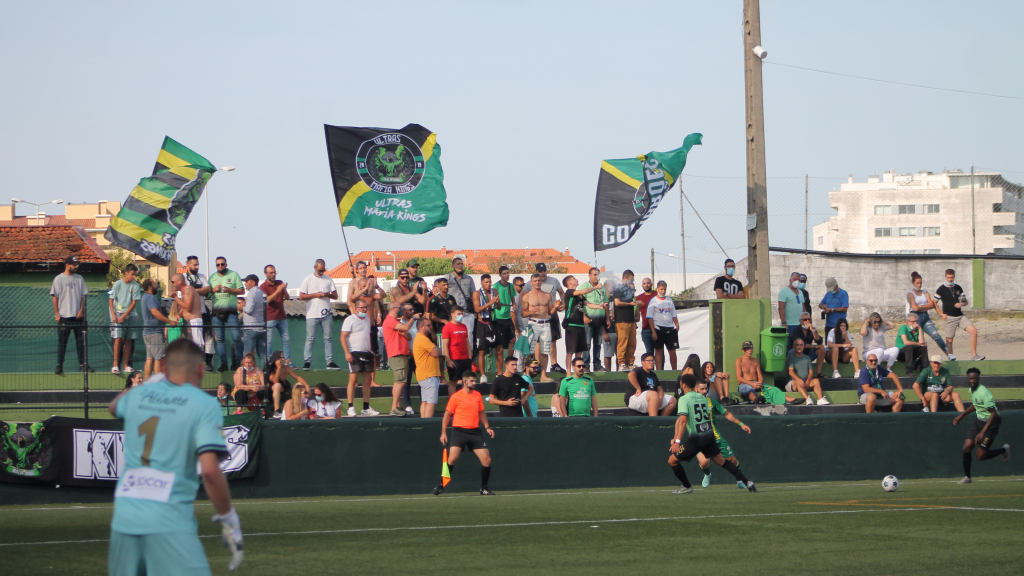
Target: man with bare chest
{"type": "Point", "coordinates": [748, 374]}
{"type": "Point", "coordinates": [538, 308]}
{"type": "Point", "coordinates": [191, 305]}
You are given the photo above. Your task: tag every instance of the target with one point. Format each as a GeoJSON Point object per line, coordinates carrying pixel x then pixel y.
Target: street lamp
{"type": "Point", "coordinates": [20, 201]}
{"type": "Point", "coordinates": [207, 200]}
{"type": "Point", "coordinates": [394, 264]}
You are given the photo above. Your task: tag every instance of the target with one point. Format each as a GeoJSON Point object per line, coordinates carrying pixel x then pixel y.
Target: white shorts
{"type": "Point", "coordinates": [878, 401]}
{"type": "Point", "coordinates": [196, 331]}
{"type": "Point", "coordinates": [541, 332]}
{"type": "Point", "coordinates": [639, 403]}
{"type": "Point", "coordinates": [428, 390]}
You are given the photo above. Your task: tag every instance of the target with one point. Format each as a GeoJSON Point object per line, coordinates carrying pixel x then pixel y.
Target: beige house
{"type": "Point", "coordinates": [94, 218]}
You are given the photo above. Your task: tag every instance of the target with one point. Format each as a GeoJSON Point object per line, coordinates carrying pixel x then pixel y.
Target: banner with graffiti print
{"type": "Point", "coordinates": [26, 452]}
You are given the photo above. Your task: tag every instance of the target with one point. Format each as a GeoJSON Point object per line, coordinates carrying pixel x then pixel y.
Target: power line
{"type": "Point", "coordinates": [897, 83]}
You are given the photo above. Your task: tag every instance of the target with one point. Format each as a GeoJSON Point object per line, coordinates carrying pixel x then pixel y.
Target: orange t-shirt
{"type": "Point", "coordinates": [465, 408]}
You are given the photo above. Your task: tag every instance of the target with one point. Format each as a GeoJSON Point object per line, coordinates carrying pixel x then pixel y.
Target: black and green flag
{"type": "Point", "coordinates": [630, 189]}
{"type": "Point", "coordinates": [387, 179]}
{"type": "Point", "coordinates": [158, 207]}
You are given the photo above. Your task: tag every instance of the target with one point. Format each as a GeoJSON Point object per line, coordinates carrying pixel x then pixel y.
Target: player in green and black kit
{"type": "Point", "coordinates": [985, 428]}
{"type": "Point", "coordinates": [695, 418]}
{"type": "Point", "coordinates": [723, 444]}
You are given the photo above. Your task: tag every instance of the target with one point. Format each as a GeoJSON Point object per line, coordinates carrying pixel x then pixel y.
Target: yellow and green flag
{"type": "Point", "coordinates": [158, 207]}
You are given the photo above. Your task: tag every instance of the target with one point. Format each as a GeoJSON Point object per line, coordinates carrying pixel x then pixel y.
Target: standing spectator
{"type": "Point", "coordinates": [552, 287]}
{"type": "Point", "coordinates": [643, 299]}
{"type": "Point", "coordinates": [153, 321]}
{"type": "Point", "coordinates": [647, 395]}
{"type": "Point", "coordinates": [726, 286]}
{"type": "Point", "coordinates": [484, 339]}
{"type": "Point", "coordinates": [325, 405]}
{"type": "Point", "coordinates": [455, 345]}
{"type": "Point", "coordinates": [663, 323]}
{"type": "Point", "coordinates": [278, 372]}
{"type": "Point", "coordinates": [841, 349]}
{"type": "Point", "coordinates": [834, 304]}
{"type": "Point", "coordinates": [814, 346]}
{"type": "Point", "coordinates": [912, 350]}
{"type": "Point", "coordinates": [610, 346]}
{"type": "Point", "coordinates": [791, 303]}
{"type": "Point", "coordinates": [507, 391]}
{"type": "Point", "coordinates": [226, 286]}
{"type": "Point", "coordinates": [428, 370]}
{"type": "Point", "coordinates": [575, 327]}
{"type": "Point", "coordinates": [276, 292]}
{"type": "Point", "coordinates": [873, 331]}
{"type": "Point", "coordinates": [577, 395]}
{"type": "Point", "coordinates": [625, 320]}
{"type": "Point", "coordinates": [461, 286]}
{"type": "Point", "coordinates": [953, 300]}
{"type": "Point", "coordinates": [531, 367]}
{"type": "Point", "coordinates": [363, 286]}
{"type": "Point", "coordinates": [935, 387]}
{"type": "Point", "coordinates": [802, 379]}
{"type": "Point", "coordinates": [871, 390]}
{"type": "Point", "coordinates": [317, 291]}
{"type": "Point", "coordinates": [190, 303]}
{"type": "Point", "coordinates": [920, 302]}
{"type": "Point", "coordinates": [802, 287]}
{"type": "Point", "coordinates": [405, 292]}
{"type": "Point", "coordinates": [202, 287]}
{"type": "Point", "coordinates": [250, 389]}
{"type": "Point", "coordinates": [749, 379]}
{"type": "Point", "coordinates": [596, 320]}
{"type": "Point", "coordinates": [124, 297]}
{"type": "Point", "coordinates": [504, 317]}
{"type": "Point", "coordinates": [397, 337]}
{"type": "Point", "coordinates": [439, 313]}
{"type": "Point", "coordinates": [355, 340]}
{"type": "Point", "coordinates": [537, 306]}
{"type": "Point", "coordinates": [252, 308]}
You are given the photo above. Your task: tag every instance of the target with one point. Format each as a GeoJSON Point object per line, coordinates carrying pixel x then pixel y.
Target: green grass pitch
{"type": "Point", "coordinates": [927, 527]}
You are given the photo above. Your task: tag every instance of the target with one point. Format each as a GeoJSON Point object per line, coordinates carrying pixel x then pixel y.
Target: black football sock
{"type": "Point", "coordinates": [706, 470]}
{"type": "Point", "coordinates": [366, 405]}
{"type": "Point", "coordinates": [485, 475]}
{"type": "Point", "coordinates": [681, 475]}
{"type": "Point", "coordinates": [735, 471]}
{"type": "Point", "coordinates": [967, 464]}
{"type": "Point", "coordinates": [993, 453]}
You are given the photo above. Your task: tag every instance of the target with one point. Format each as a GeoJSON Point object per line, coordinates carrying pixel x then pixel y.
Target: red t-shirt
{"type": "Point", "coordinates": [394, 343]}
{"type": "Point", "coordinates": [458, 340]}
{"type": "Point", "coordinates": [275, 307]}
{"type": "Point", "coordinates": [465, 408]}
{"type": "Point", "coordinates": [644, 300]}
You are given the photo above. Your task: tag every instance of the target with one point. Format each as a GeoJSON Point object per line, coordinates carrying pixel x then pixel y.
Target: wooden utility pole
{"type": "Point", "coordinates": [757, 192]}
{"type": "Point", "coordinates": [652, 264]}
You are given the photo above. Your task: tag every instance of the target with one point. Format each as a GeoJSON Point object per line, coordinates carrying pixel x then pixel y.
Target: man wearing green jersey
{"type": "Point", "coordinates": [577, 395]}
{"type": "Point", "coordinates": [723, 444]}
{"type": "Point", "coordinates": [985, 428]}
{"type": "Point", "coordinates": [695, 419]}
{"type": "Point", "coordinates": [169, 426]}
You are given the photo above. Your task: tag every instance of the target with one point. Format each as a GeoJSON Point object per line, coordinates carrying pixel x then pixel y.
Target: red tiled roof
{"type": "Point", "coordinates": [477, 261]}
{"type": "Point", "coordinates": [55, 220]}
{"type": "Point", "coordinates": [48, 244]}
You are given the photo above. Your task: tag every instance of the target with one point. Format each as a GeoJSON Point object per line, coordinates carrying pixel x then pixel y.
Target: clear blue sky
{"type": "Point", "coordinates": [526, 99]}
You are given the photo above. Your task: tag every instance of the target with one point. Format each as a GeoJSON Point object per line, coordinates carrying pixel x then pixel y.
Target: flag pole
{"type": "Point", "coordinates": [348, 252]}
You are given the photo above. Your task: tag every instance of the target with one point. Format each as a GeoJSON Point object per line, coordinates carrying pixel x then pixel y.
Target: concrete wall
{"type": "Point", "coordinates": [881, 283]}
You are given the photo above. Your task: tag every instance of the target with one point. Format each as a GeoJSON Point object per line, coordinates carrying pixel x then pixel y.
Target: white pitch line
{"type": "Point", "coordinates": [557, 523]}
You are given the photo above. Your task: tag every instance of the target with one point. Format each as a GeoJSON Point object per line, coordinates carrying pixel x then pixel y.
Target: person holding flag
{"type": "Point", "coordinates": [465, 409]}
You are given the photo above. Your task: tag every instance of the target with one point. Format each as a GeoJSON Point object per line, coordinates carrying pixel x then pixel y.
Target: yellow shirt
{"type": "Point", "coordinates": [426, 365]}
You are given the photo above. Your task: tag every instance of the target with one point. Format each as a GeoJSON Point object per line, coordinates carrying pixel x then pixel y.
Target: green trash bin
{"type": "Point", "coordinates": [773, 348]}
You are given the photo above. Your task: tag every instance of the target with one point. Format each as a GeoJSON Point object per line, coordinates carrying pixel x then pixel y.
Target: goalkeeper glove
{"type": "Point", "coordinates": [231, 532]}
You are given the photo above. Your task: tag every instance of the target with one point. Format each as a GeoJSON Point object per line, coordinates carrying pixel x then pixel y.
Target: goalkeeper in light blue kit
{"type": "Point", "coordinates": [169, 424]}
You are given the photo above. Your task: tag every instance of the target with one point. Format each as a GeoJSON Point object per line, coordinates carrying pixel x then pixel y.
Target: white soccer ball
{"type": "Point", "coordinates": [890, 483]}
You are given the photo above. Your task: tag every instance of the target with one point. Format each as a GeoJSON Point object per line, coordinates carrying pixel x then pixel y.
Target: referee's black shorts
{"type": "Point", "coordinates": [467, 438]}
{"type": "Point", "coordinates": [703, 443]}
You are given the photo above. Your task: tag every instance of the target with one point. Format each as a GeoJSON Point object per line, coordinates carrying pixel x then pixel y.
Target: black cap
{"type": "Point", "coordinates": [71, 260]}
{"type": "Point", "coordinates": [252, 277]}
{"type": "Point", "coordinates": [748, 345]}
{"type": "Point", "coordinates": [542, 267]}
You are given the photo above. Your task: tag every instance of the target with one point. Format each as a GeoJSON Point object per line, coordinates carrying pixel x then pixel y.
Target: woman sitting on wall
{"type": "Point", "coordinates": [249, 387]}
{"type": "Point", "coordinates": [718, 382]}
{"type": "Point", "coordinates": [297, 407]}
{"type": "Point", "coordinates": [840, 348]}
{"type": "Point", "coordinates": [278, 372]}
{"type": "Point", "coordinates": [325, 405]}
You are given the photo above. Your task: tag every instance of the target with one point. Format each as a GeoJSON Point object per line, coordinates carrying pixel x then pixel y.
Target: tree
{"type": "Point", "coordinates": [517, 264]}
{"type": "Point", "coordinates": [119, 260]}
{"type": "Point", "coordinates": [431, 266]}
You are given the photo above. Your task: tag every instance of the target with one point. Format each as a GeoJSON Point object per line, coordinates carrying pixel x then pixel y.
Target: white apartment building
{"type": "Point", "coordinates": [925, 213]}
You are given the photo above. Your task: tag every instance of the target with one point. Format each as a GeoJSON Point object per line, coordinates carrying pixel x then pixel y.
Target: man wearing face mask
{"type": "Point", "coordinates": [835, 303]}
{"type": "Point", "coordinates": [802, 287]}
{"type": "Point", "coordinates": [355, 339]}
{"type": "Point", "coordinates": [791, 303]}
{"type": "Point", "coordinates": [455, 345]}
{"type": "Point", "coordinates": [727, 287]}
